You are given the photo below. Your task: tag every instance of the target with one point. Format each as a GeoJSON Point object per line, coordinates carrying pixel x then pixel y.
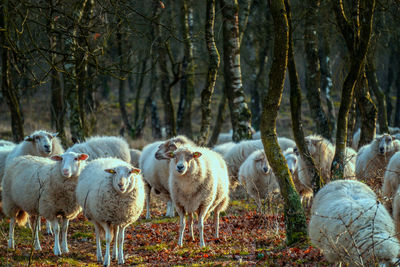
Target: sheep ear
{"type": "Point", "coordinates": [56, 158]}
{"type": "Point", "coordinates": [54, 134]}
{"type": "Point", "coordinates": [172, 146]}
{"type": "Point", "coordinates": [135, 171]}
{"type": "Point", "coordinates": [83, 156]}
{"type": "Point", "coordinates": [170, 154]}
{"type": "Point", "coordinates": [112, 171]}
{"type": "Point", "coordinates": [29, 138]}
{"type": "Point", "coordinates": [196, 155]}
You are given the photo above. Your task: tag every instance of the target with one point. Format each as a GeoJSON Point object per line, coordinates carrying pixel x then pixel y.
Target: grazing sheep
{"type": "Point", "coordinates": [224, 138]}
{"type": "Point", "coordinates": [356, 138]}
{"type": "Point", "coordinates": [258, 179]}
{"type": "Point", "coordinates": [391, 180]}
{"type": "Point", "coordinates": [305, 192]}
{"type": "Point", "coordinates": [111, 193]}
{"type": "Point", "coordinates": [349, 225]}
{"type": "Point", "coordinates": [239, 153]}
{"type": "Point", "coordinates": [135, 156]}
{"type": "Point", "coordinates": [6, 143]}
{"type": "Point", "coordinates": [155, 169]}
{"type": "Point", "coordinates": [373, 158]}
{"type": "Point", "coordinates": [199, 183]}
{"type": "Point", "coordinates": [223, 148]}
{"type": "Point", "coordinates": [104, 147]}
{"type": "Point", "coordinates": [42, 187]}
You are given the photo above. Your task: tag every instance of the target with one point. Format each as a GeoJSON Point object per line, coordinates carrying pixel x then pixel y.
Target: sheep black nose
{"type": "Point", "coordinates": [291, 171]}
{"type": "Point", "coordinates": [382, 149]}
{"type": "Point", "coordinates": [265, 169]}
{"type": "Point", "coordinates": [180, 168]}
{"type": "Point", "coordinates": [47, 147]}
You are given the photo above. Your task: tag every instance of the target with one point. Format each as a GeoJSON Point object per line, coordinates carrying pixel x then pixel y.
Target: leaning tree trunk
{"type": "Point", "coordinates": [184, 115]}
{"type": "Point", "coordinates": [219, 121]}
{"type": "Point", "coordinates": [213, 66]}
{"type": "Point", "coordinates": [10, 94]}
{"type": "Point", "coordinates": [295, 109]}
{"type": "Point", "coordinates": [357, 41]}
{"type": "Point", "coordinates": [295, 220]}
{"type": "Point", "coordinates": [313, 72]}
{"type": "Point", "coordinates": [397, 108]}
{"type": "Point", "coordinates": [244, 18]}
{"type": "Point", "coordinates": [240, 114]}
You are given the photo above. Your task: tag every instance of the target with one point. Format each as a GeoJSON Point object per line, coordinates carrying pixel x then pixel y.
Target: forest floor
{"type": "Point", "coordinates": [247, 238]}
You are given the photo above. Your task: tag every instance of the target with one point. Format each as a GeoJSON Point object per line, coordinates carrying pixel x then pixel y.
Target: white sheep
{"type": "Point", "coordinates": [257, 177]}
{"type": "Point", "coordinates": [155, 170]}
{"type": "Point", "coordinates": [391, 179]}
{"type": "Point", "coordinates": [199, 183]}
{"type": "Point", "coordinates": [111, 193]}
{"type": "Point", "coordinates": [4, 151]}
{"type": "Point", "coordinates": [42, 187]}
{"type": "Point", "coordinates": [6, 143]}
{"type": "Point", "coordinates": [224, 138]}
{"type": "Point", "coordinates": [223, 148]}
{"type": "Point", "coordinates": [349, 225]}
{"type": "Point", "coordinates": [396, 209]}
{"type": "Point", "coordinates": [357, 136]}
{"type": "Point", "coordinates": [135, 156]}
{"type": "Point", "coordinates": [373, 158]}
{"type": "Point", "coordinates": [239, 153]}
{"type": "Point", "coordinates": [103, 147]}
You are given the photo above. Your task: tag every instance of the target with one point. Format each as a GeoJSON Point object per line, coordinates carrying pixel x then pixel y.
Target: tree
{"type": "Point", "coordinates": [240, 114]}
{"type": "Point", "coordinates": [295, 220]}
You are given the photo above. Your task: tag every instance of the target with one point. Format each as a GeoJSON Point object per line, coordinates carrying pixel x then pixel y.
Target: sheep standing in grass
{"type": "Point", "coordinates": [111, 193]}
{"type": "Point", "coordinates": [155, 169]}
{"type": "Point", "coordinates": [258, 179]}
{"type": "Point", "coordinates": [391, 180]}
{"type": "Point", "coordinates": [223, 148]}
{"type": "Point", "coordinates": [199, 183]}
{"type": "Point", "coordinates": [373, 158]}
{"type": "Point", "coordinates": [104, 147]}
{"type": "Point", "coordinates": [349, 225]}
{"type": "Point", "coordinates": [42, 187]}
{"type": "Point", "coordinates": [135, 156]}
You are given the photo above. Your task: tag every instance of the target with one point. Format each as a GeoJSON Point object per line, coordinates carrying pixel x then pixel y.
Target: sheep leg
{"type": "Point", "coordinates": [181, 229]}
{"type": "Point", "coordinates": [115, 247]}
{"type": "Point", "coordinates": [216, 223]}
{"type": "Point", "coordinates": [36, 241]}
{"type": "Point", "coordinates": [56, 228]}
{"type": "Point", "coordinates": [108, 242]}
{"type": "Point", "coordinates": [201, 230]}
{"type": "Point", "coordinates": [98, 244]}
{"type": "Point", "coordinates": [147, 188]}
{"type": "Point", "coordinates": [64, 229]}
{"type": "Point", "coordinates": [191, 225]}
{"type": "Point", "coordinates": [170, 209]}
{"type": "Point", "coordinates": [121, 238]}
{"type": "Point", "coordinates": [49, 231]}
{"type": "Point", "coordinates": [259, 204]}
{"type": "Point", "coordinates": [11, 234]}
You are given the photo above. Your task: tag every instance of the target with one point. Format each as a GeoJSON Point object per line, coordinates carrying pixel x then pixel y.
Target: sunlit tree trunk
{"type": "Point", "coordinates": [295, 220]}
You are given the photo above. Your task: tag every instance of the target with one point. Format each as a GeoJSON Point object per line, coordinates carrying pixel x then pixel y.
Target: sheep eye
{"type": "Point", "coordinates": [75, 158]}
{"type": "Point", "coordinates": [37, 137]}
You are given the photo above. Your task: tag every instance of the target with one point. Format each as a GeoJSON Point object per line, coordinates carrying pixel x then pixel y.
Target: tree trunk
{"type": "Point", "coordinates": [357, 41]}
{"type": "Point", "coordinates": [240, 114]}
{"type": "Point", "coordinates": [388, 89]}
{"type": "Point", "coordinates": [295, 108]}
{"type": "Point", "coordinates": [295, 220]}
{"type": "Point", "coordinates": [219, 121]}
{"type": "Point", "coordinates": [351, 123]}
{"type": "Point", "coordinates": [213, 66]}
{"type": "Point", "coordinates": [155, 121]}
{"type": "Point", "coordinates": [244, 17]}
{"type": "Point", "coordinates": [313, 73]}
{"type": "Point", "coordinates": [139, 91]}
{"type": "Point", "coordinates": [397, 109]}
{"type": "Point", "coordinates": [380, 96]}
{"type": "Point", "coordinates": [10, 94]}
{"type": "Point", "coordinates": [184, 116]}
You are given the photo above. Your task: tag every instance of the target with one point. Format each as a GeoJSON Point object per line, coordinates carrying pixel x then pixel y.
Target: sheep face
{"type": "Point", "coordinates": [170, 145]}
{"type": "Point", "coordinates": [291, 160]}
{"type": "Point", "coordinates": [71, 163]}
{"type": "Point", "coordinates": [43, 142]}
{"type": "Point", "coordinates": [183, 159]}
{"type": "Point", "coordinates": [313, 145]}
{"type": "Point", "coordinates": [385, 144]}
{"type": "Point", "coordinates": [261, 164]}
{"type": "Point", "coordinates": [123, 178]}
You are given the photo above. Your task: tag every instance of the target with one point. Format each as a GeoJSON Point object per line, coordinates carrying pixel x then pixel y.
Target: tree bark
{"type": "Point", "coordinates": [244, 18]}
{"type": "Point", "coordinates": [139, 91]}
{"type": "Point", "coordinates": [397, 108]}
{"type": "Point", "coordinates": [213, 66]}
{"type": "Point", "coordinates": [10, 93]}
{"type": "Point", "coordinates": [240, 114]}
{"type": "Point", "coordinates": [218, 122]}
{"type": "Point", "coordinates": [295, 220]}
{"type": "Point", "coordinates": [357, 41]}
{"type": "Point", "coordinates": [295, 108]}
{"type": "Point", "coordinates": [388, 89]}
{"type": "Point", "coordinates": [313, 73]}
{"type": "Point", "coordinates": [184, 116]}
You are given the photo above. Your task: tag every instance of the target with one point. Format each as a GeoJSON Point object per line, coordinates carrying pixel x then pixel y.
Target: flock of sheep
{"type": "Point", "coordinates": [111, 183]}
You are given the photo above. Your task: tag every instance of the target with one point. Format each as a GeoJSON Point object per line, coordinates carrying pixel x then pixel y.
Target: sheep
{"type": "Point", "coordinates": [155, 169]}
{"type": "Point", "coordinates": [373, 158]}
{"type": "Point", "coordinates": [357, 136]}
{"type": "Point", "coordinates": [103, 147]}
{"type": "Point", "coordinates": [4, 151]}
{"type": "Point", "coordinates": [223, 148]}
{"type": "Point", "coordinates": [6, 143]}
{"type": "Point", "coordinates": [224, 138]}
{"type": "Point", "coordinates": [239, 153]}
{"type": "Point", "coordinates": [199, 183]}
{"type": "Point", "coordinates": [391, 179]}
{"type": "Point", "coordinates": [257, 177]}
{"type": "Point", "coordinates": [305, 192]}
{"type": "Point", "coordinates": [396, 209]}
{"type": "Point", "coordinates": [349, 225]}
{"type": "Point", "coordinates": [135, 156]}
{"type": "Point", "coordinates": [111, 193]}
{"type": "Point", "coordinates": [42, 187]}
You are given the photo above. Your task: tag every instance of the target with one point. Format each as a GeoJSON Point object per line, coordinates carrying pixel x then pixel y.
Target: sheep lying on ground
{"type": "Point", "coordinates": [6, 143]}
{"type": "Point", "coordinates": [103, 147]}
{"type": "Point", "coordinates": [41, 186]}
{"type": "Point", "coordinates": [373, 158]}
{"type": "Point", "coordinates": [155, 170]}
{"type": "Point", "coordinates": [111, 193]}
{"type": "Point", "coordinates": [223, 148]}
{"type": "Point", "coordinates": [257, 177]}
{"type": "Point", "coordinates": [391, 179]}
{"type": "Point", "coordinates": [199, 183]}
{"type": "Point", "coordinates": [135, 156]}
{"type": "Point", "coordinates": [349, 225]}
